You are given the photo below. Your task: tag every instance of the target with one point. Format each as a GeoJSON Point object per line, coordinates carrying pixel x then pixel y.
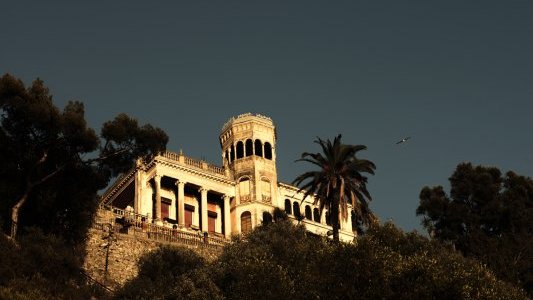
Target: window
{"type": "Point", "coordinates": [267, 218]}
{"type": "Point", "coordinates": [249, 147]}
{"type": "Point", "coordinates": [211, 221]}
{"type": "Point", "coordinates": [246, 222]}
{"type": "Point", "coordinates": [308, 214]}
{"type": "Point", "coordinates": [268, 151]}
{"type": "Point", "coordinates": [265, 190]}
{"type": "Point", "coordinates": [240, 150]}
{"type": "Point", "coordinates": [288, 209]}
{"type": "Point", "coordinates": [232, 154]}
{"type": "Point", "coordinates": [189, 211]}
{"type": "Point", "coordinates": [316, 215]}
{"type": "Point", "coordinates": [258, 148]}
{"type": "Point", "coordinates": [165, 208]}
{"type": "Point", "coordinates": [244, 189]}
{"type": "Point", "coordinates": [296, 209]}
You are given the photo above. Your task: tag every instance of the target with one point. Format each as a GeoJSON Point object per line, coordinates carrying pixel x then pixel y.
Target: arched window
{"type": "Point", "coordinates": [240, 149]}
{"type": "Point", "coordinates": [267, 218]}
{"type": "Point", "coordinates": [268, 151]}
{"type": "Point", "coordinates": [249, 147]}
{"type": "Point", "coordinates": [232, 153]}
{"type": "Point", "coordinates": [288, 208]}
{"type": "Point", "coordinates": [258, 148]}
{"type": "Point", "coordinates": [296, 209]}
{"type": "Point", "coordinates": [308, 214]}
{"type": "Point", "coordinates": [246, 222]}
{"type": "Point", "coordinates": [316, 215]}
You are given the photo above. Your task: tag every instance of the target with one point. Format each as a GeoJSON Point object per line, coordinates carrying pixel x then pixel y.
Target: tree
{"type": "Point", "coordinates": [171, 273]}
{"type": "Point", "coordinates": [486, 216]}
{"type": "Point", "coordinates": [53, 163]}
{"type": "Point", "coordinates": [338, 182]}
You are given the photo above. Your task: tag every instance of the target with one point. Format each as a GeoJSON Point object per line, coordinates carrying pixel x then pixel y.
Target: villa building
{"type": "Point", "coordinates": [188, 195]}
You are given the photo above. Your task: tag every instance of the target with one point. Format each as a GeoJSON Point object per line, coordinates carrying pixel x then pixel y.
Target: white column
{"type": "Point", "coordinates": [227, 216]}
{"type": "Point", "coordinates": [203, 209]}
{"type": "Point", "coordinates": [181, 202]}
{"type": "Point", "coordinates": [157, 186]}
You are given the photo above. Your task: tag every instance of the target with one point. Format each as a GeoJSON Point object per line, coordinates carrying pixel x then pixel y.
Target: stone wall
{"type": "Point", "coordinates": [124, 254]}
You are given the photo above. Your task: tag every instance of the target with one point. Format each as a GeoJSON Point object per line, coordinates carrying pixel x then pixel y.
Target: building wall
{"type": "Point", "coordinates": [263, 192]}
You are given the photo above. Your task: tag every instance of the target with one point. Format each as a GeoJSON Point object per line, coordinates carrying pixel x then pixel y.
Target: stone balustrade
{"type": "Point", "coordinates": [136, 224]}
{"type": "Point", "coordinates": [189, 161]}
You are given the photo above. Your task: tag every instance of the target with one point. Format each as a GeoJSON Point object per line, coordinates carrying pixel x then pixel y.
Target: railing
{"type": "Point", "coordinates": [193, 162]}
{"type": "Point", "coordinates": [157, 232]}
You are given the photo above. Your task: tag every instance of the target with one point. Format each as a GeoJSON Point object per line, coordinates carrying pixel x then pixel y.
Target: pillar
{"type": "Point", "coordinates": [181, 202]}
{"type": "Point", "coordinates": [227, 216]}
{"type": "Point", "coordinates": [203, 209]}
{"type": "Point", "coordinates": [157, 186]}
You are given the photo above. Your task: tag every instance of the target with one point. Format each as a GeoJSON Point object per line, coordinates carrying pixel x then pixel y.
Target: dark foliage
{"type": "Point", "coordinates": [41, 266]}
{"type": "Point", "coordinates": [53, 163]}
{"type": "Point", "coordinates": [171, 273]}
{"type": "Point", "coordinates": [487, 216]}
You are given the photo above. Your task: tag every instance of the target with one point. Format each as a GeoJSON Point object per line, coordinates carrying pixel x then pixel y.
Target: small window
{"type": "Point", "coordinates": [308, 214]}
{"type": "Point", "coordinates": [316, 215]}
{"type": "Point", "coordinates": [240, 150]}
{"type": "Point", "coordinates": [268, 151]}
{"type": "Point", "coordinates": [258, 148]}
{"type": "Point", "coordinates": [288, 208]}
{"type": "Point", "coordinates": [246, 222]}
{"type": "Point", "coordinates": [267, 218]}
{"type": "Point", "coordinates": [296, 209]}
{"type": "Point", "coordinates": [232, 153]}
{"type": "Point", "coordinates": [249, 147]}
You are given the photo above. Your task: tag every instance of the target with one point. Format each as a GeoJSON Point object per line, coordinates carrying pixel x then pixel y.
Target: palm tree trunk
{"type": "Point", "coordinates": [335, 220]}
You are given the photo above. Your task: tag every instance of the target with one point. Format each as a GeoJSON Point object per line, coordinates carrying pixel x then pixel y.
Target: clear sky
{"type": "Point", "coordinates": [456, 76]}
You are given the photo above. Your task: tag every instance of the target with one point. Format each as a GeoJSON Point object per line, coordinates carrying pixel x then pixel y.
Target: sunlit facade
{"type": "Point", "coordinates": [176, 191]}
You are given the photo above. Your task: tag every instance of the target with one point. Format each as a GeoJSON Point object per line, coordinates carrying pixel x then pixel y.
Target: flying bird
{"type": "Point", "coordinates": [405, 139]}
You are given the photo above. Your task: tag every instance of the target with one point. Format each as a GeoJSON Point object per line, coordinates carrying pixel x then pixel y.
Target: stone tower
{"type": "Point", "coordinates": [248, 144]}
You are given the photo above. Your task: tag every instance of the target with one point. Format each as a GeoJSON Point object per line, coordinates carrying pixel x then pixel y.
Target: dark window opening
{"type": "Point", "coordinates": [316, 215]}
{"type": "Point", "coordinates": [296, 209]}
{"type": "Point", "coordinates": [258, 148]}
{"type": "Point", "coordinates": [249, 147]}
{"type": "Point", "coordinates": [268, 151]}
{"type": "Point", "coordinates": [240, 150]}
{"type": "Point", "coordinates": [308, 214]}
{"type": "Point", "coordinates": [288, 209]}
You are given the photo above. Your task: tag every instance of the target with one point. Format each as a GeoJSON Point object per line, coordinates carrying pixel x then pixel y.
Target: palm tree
{"type": "Point", "coordinates": [338, 182]}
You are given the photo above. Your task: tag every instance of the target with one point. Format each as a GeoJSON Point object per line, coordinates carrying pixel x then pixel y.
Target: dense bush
{"type": "Point", "coordinates": [171, 273]}
{"type": "Point", "coordinates": [41, 266]}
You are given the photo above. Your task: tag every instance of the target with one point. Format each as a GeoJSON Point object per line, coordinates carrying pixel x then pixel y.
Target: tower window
{"type": "Point", "coordinates": [258, 148]}
{"type": "Point", "coordinates": [268, 151]}
{"type": "Point", "coordinates": [232, 154]}
{"type": "Point", "coordinates": [240, 150]}
{"type": "Point", "coordinates": [249, 147]}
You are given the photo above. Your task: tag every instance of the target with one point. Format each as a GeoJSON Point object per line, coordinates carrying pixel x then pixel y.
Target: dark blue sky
{"type": "Point", "coordinates": [456, 76]}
